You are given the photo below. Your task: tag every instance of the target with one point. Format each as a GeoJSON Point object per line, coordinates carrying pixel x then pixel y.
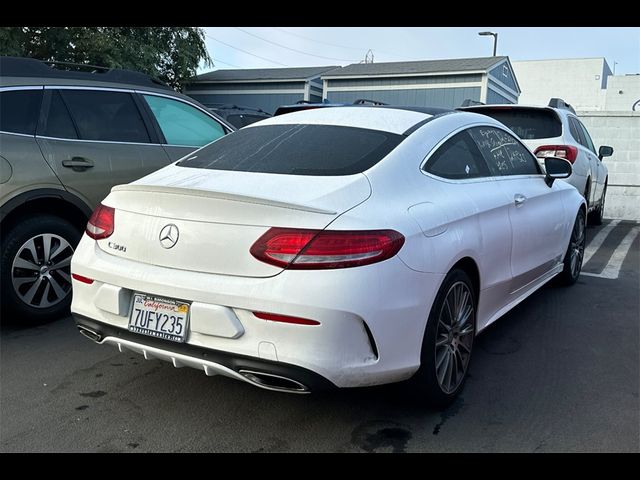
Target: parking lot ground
{"type": "Point", "coordinates": [560, 372]}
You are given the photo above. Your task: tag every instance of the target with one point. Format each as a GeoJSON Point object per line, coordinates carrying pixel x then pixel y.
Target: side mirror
{"type": "Point", "coordinates": [605, 151]}
{"type": "Point", "coordinates": [556, 168]}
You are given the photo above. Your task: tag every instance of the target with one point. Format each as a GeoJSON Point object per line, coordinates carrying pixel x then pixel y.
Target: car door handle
{"type": "Point", "coordinates": [519, 199]}
{"type": "Point", "coordinates": [78, 163]}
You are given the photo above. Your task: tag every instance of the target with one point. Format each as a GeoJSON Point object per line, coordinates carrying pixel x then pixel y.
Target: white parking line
{"type": "Point", "coordinates": [594, 244]}
{"type": "Point", "coordinates": [612, 270]}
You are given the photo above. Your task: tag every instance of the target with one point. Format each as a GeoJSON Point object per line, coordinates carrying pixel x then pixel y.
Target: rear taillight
{"type": "Point", "coordinates": [318, 249]}
{"type": "Point", "coordinates": [100, 225]}
{"type": "Point", "coordinates": [568, 152]}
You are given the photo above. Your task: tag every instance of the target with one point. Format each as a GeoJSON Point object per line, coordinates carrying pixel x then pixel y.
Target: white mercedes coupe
{"type": "Point", "coordinates": [346, 247]}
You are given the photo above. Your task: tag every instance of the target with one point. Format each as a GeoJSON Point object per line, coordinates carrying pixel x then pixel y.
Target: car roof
{"type": "Point", "coordinates": [398, 120]}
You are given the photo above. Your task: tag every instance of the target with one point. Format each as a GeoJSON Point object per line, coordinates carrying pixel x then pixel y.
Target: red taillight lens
{"type": "Point", "coordinates": [274, 317]}
{"type": "Point", "coordinates": [315, 249]}
{"type": "Point", "coordinates": [100, 225]}
{"type": "Point", "coordinates": [568, 152]}
{"type": "Point", "coordinates": [82, 279]}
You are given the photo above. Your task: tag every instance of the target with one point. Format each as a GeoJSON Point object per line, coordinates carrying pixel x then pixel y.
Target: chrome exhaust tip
{"type": "Point", "coordinates": [90, 334]}
{"type": "Point", "coordinates": [274, 382]}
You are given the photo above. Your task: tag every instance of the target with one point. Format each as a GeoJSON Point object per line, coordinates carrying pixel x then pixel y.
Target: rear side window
{"type": "Point", "coordinates": [574, 129]}
{"type": "Point", "coordinates": [504, 154]}
{"type": "Point", "coordinates": [19, 111]}
{"type": "Point", "coordinates": [586, 136]}
{"type": "Point", "coordinates": [457, 158]}
{"type": "Point", "coordinates": [297, 150]}
{"type": "Point", "coordinates": [58, 122]}
{"type": "Point", "coordinates": [527, 123]}
{"type": "Point", "coordinates": [105, 116]}
{"type": "Point", "coordinates": [182, 124]}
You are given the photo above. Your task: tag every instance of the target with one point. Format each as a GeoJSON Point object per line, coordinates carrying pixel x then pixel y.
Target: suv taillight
{"type": "Point", "coordinates": [100, 225]}
{"type": "Point", "coordinates": [304, 249]}
{"type": "Point", "coordinates": [568, 152]}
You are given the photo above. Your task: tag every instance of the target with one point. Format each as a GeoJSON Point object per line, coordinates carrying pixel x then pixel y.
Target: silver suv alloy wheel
{"type": "Point", "coordinates": [41, 270]}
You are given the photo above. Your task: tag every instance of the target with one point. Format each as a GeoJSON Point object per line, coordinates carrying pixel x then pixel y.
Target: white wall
{"type": "Point", "coordinates": [620, 130]}
{"type": "Point", "coordinates": [622, 92]}
{"type": "Point", "coordinates": [578, 81]}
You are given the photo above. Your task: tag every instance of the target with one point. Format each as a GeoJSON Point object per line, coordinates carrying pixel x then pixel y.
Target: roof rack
{"type": "Point", "coordinates": [559, 103]}
{"type": "Point", "coordinates": [469, 103]}
{"type": "Point", "coordinates": [364, 101]}
{"type": "Point", "coordinates": [31, 67]}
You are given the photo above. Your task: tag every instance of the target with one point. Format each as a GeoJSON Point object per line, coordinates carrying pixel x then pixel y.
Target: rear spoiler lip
{"type": "Point", "coordinates": [229, 196]}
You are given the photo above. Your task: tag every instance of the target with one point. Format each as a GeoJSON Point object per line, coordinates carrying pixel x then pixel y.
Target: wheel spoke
{"type": "Point", "coordinates": [65, 262]}
{"type": "Point", "coordinates": [450, 362]}
{"type": "Point", "coordinates": [64, 275]}
{"type": "Point", "coordinates": [58, 249]}
{"type": "Point", "coordinates": [57, 289]}
{"type": "Point", "coordinates": [442, 341]}
{"type": "Point", "coordinates": [444, 367]}
{"type": "Point", "coordinates": [44, 301]}
{"type": "Point", "coordinates": [19, 281]}
{"type": "Point", "coordinates": [26, 264]}
{"type": "Point", "coordinates": [31, 246]}
{"type": "Point", "coordinates": [28, 297]}
{"type": "Point", "coordinates": [46, 246]}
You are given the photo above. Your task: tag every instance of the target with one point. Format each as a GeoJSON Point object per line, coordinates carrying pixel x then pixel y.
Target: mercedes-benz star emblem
{"type": "Point", "coordinates": [169, 235]}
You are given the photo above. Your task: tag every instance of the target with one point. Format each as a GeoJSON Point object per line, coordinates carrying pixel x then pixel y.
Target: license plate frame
{"type": "Point", "coordinates": [141, 322]}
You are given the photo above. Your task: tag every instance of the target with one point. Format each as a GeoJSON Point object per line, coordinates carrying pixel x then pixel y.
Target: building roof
{"type": "Point", "coordinates": [257, 74]}
{"type": "Point", "coordinates": [412, 68]}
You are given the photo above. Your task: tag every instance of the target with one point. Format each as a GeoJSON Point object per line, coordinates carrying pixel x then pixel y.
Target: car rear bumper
{"type": "Point", "coordinates": [212, 362]}
{"type": "Point", "coordinates": [372, 318]}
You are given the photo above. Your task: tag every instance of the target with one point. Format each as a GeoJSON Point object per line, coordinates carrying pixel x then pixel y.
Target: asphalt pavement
{"type": "Point", "coordinates": [559, 373]}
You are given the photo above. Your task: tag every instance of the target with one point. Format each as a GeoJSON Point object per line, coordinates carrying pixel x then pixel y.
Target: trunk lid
{"type": "Point", "coordinates": [213, 217]}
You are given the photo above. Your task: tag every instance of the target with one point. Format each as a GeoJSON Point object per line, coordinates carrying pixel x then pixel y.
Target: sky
{"type": "Point", "coordinates": [269, 47]}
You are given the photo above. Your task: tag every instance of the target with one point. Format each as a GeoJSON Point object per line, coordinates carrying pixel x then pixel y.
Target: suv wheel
{"type": "Point", "coordinates": [35, 269]}
{"type": "Point", "coordinates": [597, 216]}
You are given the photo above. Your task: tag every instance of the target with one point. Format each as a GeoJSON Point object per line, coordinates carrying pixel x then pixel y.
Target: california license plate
{"type": "Point", "coordinates": [159, 317]}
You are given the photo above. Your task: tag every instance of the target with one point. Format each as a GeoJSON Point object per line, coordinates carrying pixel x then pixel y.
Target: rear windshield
{"type": "Point", "coordinates": [296, 150]}
{"type": "Point", "coordinates": [528, 124]}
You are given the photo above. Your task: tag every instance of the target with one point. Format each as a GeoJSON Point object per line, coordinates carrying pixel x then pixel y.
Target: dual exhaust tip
{"type": "Point", "coordinates": [265, 380]}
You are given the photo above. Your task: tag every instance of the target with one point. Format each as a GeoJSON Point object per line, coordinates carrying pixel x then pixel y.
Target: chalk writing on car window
{"type": "Point", "coordinates": [501, 150]}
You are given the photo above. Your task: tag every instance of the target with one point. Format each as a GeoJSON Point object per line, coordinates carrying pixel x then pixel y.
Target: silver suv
{"type": "Point", "coordinates": [556, 131]}
{"type": "Point", "coordinates": [66, 137]}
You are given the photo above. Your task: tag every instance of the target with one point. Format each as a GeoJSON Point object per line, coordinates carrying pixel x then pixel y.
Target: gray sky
{"type": "Point", "coordinates": [345, 45]}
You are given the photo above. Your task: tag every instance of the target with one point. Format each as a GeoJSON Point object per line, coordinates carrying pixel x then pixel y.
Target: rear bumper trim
{"type": "Point", "coordinates": [212, 362]}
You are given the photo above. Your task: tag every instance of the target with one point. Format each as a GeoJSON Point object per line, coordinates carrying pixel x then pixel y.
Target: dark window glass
{"type": "Point", "coordinates": [19, 111]}
{"type": "Point", "coordinates": [527, 123]}
{"type": "Point", "coordinates": [586, 136]}
{"type": "Point", "coordinates": [457, 158]}
{"type": "Point", "coordinates": [240, 120]}
{"type": "Point", "coordinates": [505, 155]}
{"type": "Point", "coordinates": [58, 122]}
{"type": "Point", "coordinates": [297, 150]}
{"type": "Point", "coordinates": [574, 129]}
{"type": "Point", "coordinates": [105, 116]}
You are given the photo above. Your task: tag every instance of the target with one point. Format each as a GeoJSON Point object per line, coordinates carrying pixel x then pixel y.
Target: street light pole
{"type": "Point", "coordinates": [495, 40]}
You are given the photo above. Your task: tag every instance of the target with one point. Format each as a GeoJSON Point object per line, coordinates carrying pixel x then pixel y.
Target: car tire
{"type": "Point", "coordinates": [587, 192]}
{"type": "Point", "coordinates": [35, 269]}
{"type": "Point", "coordinates": [575, 251]}
{"type": "Point", "coordinates": [441, 347]}
{"type": "Point", "coordinates": [597, 216]}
